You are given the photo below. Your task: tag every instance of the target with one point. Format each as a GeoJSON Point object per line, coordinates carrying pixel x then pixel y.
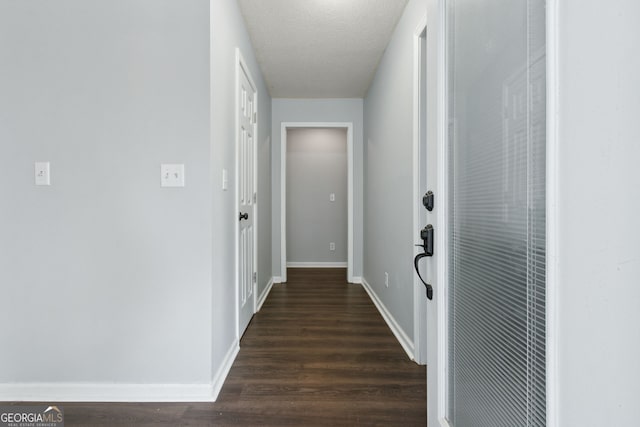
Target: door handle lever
{"type": "Point", "coordinates": [426, 235]}
{"type": "Point", "coordinates": [416, 261]}
{"type": "Point", "coordinates": [244, 216]}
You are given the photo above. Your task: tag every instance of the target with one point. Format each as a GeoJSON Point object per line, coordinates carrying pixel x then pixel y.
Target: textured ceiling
{"type": "Point", "coordinates": [320, 48]}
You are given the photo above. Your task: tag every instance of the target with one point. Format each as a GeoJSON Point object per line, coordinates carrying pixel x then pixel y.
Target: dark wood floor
{"type": "Point", "coordinates": [318, 353]}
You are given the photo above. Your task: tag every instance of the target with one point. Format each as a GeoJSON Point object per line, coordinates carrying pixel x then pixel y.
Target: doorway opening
{"type": "Point", "coordinates": [348, 127]}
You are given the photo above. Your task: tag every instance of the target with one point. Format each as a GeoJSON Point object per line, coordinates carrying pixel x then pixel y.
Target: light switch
{"type": "Point", "coordinates": [172, 175]}
{"type": "Point", "coordinates": [43, 176]}
{"type": "Point", "coordinates": [332, 197]}
{"type": "Point", "coordinates": [225, 180]}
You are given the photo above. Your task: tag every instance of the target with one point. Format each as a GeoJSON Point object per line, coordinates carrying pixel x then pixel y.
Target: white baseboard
{"type": "Point", "coordinates": [405, 341]}
{"type": "Point", "coordinates": [105, 392]}
{"type": "Point", "coordinates": [223, 370]}
{"type": "Point", "coordinates": [112, 392]}
{"type": "Point", "coordinates": [277, 279]}
{"type": "Point", "coordinates": [316, 265]}
{"type": "Point", "coordinates": [356, 279]}
{"type": "Point", "coordinates": [265, 294]}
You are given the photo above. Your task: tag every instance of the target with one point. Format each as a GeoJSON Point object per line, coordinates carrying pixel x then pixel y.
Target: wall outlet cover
{"type": "Point", "coordinates": [42, 173]}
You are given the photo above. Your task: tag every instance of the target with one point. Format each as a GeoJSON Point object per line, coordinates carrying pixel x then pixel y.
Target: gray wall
{"type": "Point", "coordinates": [316, 167]}
{"type": "Point", "coordinates": [388, 173]}
{"type": "Point", "coordinates": [264, 199]}
{"type": "Point", "coordinates": [598, 256]}
{"type": "Point", "coordinates": [318, 110]}
{"type": "Point", "coordinates": [121, 281]}
{"type": "Point", "coordinates": [105, 276]}
{"type": "Point", "coordinates": [228, 33]}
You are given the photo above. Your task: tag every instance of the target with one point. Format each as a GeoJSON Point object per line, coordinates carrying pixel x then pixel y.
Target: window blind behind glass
{"type": "Point", "coordinates": [497, 133]}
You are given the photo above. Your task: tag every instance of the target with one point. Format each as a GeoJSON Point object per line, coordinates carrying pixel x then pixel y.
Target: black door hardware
{"type": "Point", "coordinates": [244, 216]}
{"type": "Point", "coordinates": [426, 235]}
{"type": "Point", "coordinates": [427, 200]}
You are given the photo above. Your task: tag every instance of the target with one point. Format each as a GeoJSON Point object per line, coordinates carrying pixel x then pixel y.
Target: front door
{"type": "Point", "coordinates": [246, 122]}
{"type": "Point", "coordinates": [494, 307]}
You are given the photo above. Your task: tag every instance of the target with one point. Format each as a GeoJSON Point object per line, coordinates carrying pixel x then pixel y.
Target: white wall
{"type": "Point", "coordinates": [598, 281]}
{"type": "Point", "coordinates": [105, 277]}
{"type": "Point", "coordinates": [318, 110]}
{"type": "Point", "coordinates": [388, 173]}
{"type": "Point", "coordinates": [228, 33]}
{"type": "Point", "coordinates": [316, 168]}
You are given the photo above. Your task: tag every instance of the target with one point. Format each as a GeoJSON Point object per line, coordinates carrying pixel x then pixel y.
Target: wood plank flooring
{"type": "Point", "coordinates": [317, 354]}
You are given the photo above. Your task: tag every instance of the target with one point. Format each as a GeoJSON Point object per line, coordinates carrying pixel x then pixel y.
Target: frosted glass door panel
{"type": "Point", "coordinates": [496, 66]}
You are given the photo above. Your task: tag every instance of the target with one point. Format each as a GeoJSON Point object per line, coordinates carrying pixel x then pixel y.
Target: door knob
{"type": "Point", "coordinates": [244, 216]}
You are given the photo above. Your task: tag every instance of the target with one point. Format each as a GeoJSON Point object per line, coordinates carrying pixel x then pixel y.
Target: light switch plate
{"type": "Point", "coordinates": [42, 173]}
{"type": "Point", "coordinates": [225, 180]}
{"type": "Point", "coordinates": [172, 175]}
{"type": "Point", "coordinates": [332, 197]}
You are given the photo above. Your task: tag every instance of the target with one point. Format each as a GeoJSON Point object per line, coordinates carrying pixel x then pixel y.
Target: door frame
{"type": "Point", "coordinates": [552, 213]}
{"type": "Point", "coordinates": [283, 190]}
{"type": "Point", "coordinates": [241, 66]}
{"type": "Point", "coordinates": [419, 151]}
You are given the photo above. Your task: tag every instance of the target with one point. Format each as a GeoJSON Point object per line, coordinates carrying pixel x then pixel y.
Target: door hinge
{"type": "Point", "coordinates": [255, 277]}
{"type": "Point", "coordinates": [255, 197]}
{"type": "Point", "coordinates": [255, 118]}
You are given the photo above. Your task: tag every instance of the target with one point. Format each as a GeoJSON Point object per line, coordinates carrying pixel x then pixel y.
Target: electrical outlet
{"type": "Point", "coordinates": [172, 175]}
{"type": "Point", "coordinates": [386, 279]}
{"type": "Point", "coordinates": [43, 176]}
{"type": "Point", "coordinates": [332, 246]}
{"type": "Point", "coordinates": [332, 197]}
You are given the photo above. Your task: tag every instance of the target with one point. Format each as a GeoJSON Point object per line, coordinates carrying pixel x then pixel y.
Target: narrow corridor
{"type": "Point", "coordinates": [318, 353]}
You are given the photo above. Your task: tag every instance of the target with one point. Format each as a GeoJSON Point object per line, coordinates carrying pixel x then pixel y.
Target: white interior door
{"type": "Point", "coordinates": [247, 118]}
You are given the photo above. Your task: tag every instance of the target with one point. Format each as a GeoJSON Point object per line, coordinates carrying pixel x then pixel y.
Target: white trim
{"type": "Point", "coordinates": [225, 367]}
{"type": "Point", "coordinates": [283, 190]}
{"type": "Point", "coordinates": [283, 202]}
{"type": "Point", "coordinates": [399, 333]}
{"type": "Point", "coordinates": [552, 198]}
{"type": "Point", "coordinates": [419, 313]}
{"type": "Point", "coordinates": [105, 392]}
{"type": "Point", "coordinates": [317, 265]}
{"type": "Point", "coordinates": [442, 213]}
{"type": "Point", "coordinates": [265, 294]}
{"type": "Point", "coordinates": [278, 279]}
{"type": "Point", "coordinates": [241, 65]}
{"type": "Point", "coordinates": [357, 280]}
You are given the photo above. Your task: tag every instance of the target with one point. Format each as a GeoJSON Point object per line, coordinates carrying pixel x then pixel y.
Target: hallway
{"type": "Point", "coordinates": [492, 148]}
{"type": "Point", "coordinates": [318, 353]}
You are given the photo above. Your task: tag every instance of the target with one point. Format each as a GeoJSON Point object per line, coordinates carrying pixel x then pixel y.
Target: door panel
{"type": "Point", "coordinates": [246, 189]}
{"type": "Point", "coordinates": [496, 254]}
